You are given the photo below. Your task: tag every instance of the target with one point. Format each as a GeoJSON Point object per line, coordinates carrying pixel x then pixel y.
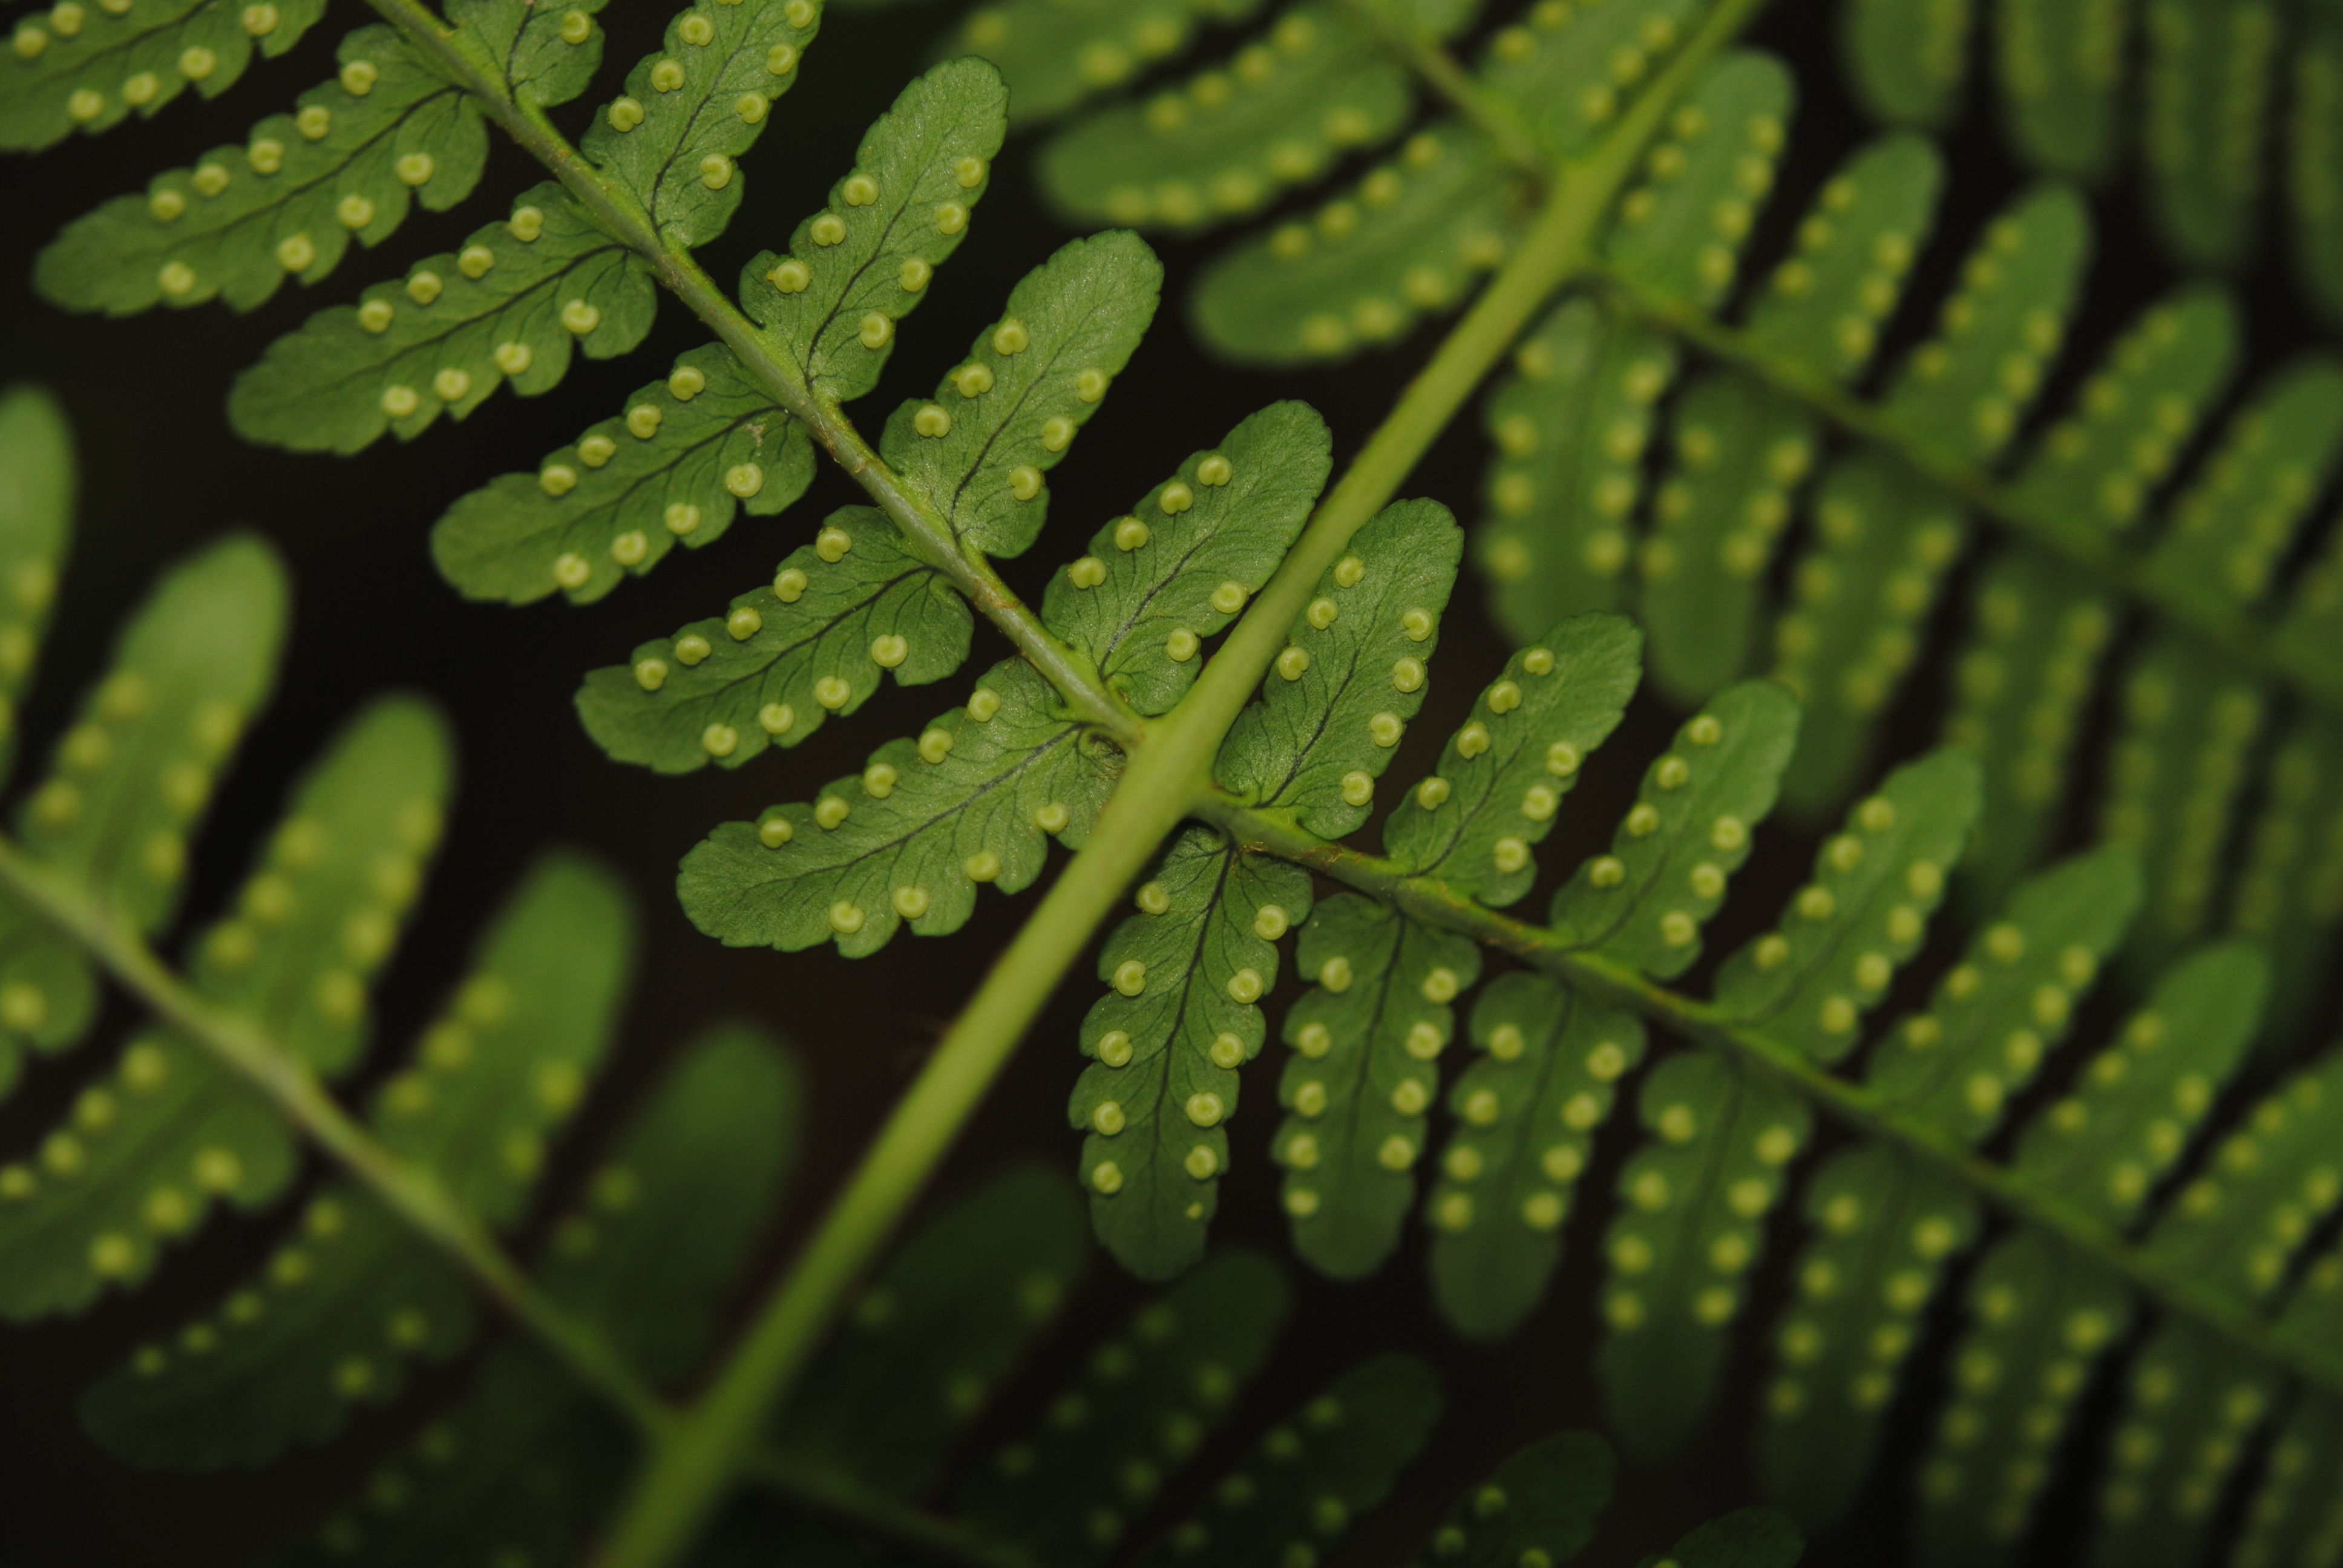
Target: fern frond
{"type": "Point", "coordinates": [1507, 769]}
{"type": "Point", "coordinates": [690, 110]}
{"type": "Point", "coordinates": [2228, 533]}
{"type": "Point", "coordinates": [1822, 308]}
{"type": "Point", "coordinates": [1994, 1016]}
{"type": "Point", "coordinates": [2039, 1314]}
{"type": "Point", "coordinates": [1907, 59]}
{"type": "Point", "coordinates": [2021, 683]}
{"type": "Point", "coordinates": [1697, 1198]}
{"type": "Point", "coordinates": [1644, 902]}
{"type": "Point", "coordinates": [1226, 142]}
{"type": "Point", "coordinates": [87, 67]}
{"type": "Point", "coordinates": [1570, 428]}
{"type": "Point", "coordinates": [2187, 725]}
{"type": "Point", "coordinates": [1681, 232]}
{"type": "Point", "coordinates": [840, 614]}
{"type": "Point", "coordinates": [345, 166]}
{"type": "Point", "coordinates": [1367, 1038]}
{"type": "Point", "coordinates": [46, 991]}
{"type": "Point", "coordinates": [2108, 1146]}
{"type": "Point", "coordinates": [1745, 1538]}
{"type": "Point", "coordinates": [127, 784]}
{"type": "Point", "coordinates": [1180, 1017]}
{"type": "Point", "coordinates": [1058, 54]}
{"type": "Point", "coordinates": [2210, 74]}
{"type": "Point", "coordinates": [1190, 554]}
{"type": "Point", "coordinates": [1886, 540]}
{"type": "Point", "coordinates": [975, 800]}
{"type": "Point", "coordinates": [509, 307]}
{"type": "Point", "coordinates": [1884, 1228]}
{"type": "Point", "coordinates": [1414, 237]}
{"type": "Point", "coordinates": [949, 1316]}
{"type": "Point", "coordinates": [1838, 943]}
{"type": "Point", "coordinates": [978, 452]}
{"type": "Point", "coordinates": [350, 1304]}
{"type": "Point", "coordinates": [2298, 1507]}
{"type": "Point", "coordinates": [863, 262]}
{"type": "Point", "coordinates": [688, 453]}
{"type": "Point", "coordinates": [2290, 895]}
{"type": "Point", "coordinates": [1067, 1490]}
{"type": "Point", "coordinates": [343, 1316]}
{"type": "Point", "coordinates": [145, 1156]}
{"type": "Point", "coordinates": [1327, 1463]}
{"type": "Point", "coordinates": [1527, 1109]}
{"type": "Point", "coordinates": [647, 1256]}
{"type": "Point", "coordinates": [509, 1059]}
{"type": "Point", "coordinates": [1541, 1504]}
{"type": "Point", "coordinates": [1566, 68]}
{"type": "Point", "coordinates": [1339, 697]}
{"type": "Point", "coordinates": [1740, 451]}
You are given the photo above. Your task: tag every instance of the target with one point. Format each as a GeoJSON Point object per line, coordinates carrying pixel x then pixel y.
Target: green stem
{"type": "Point", "coordinates": [2230, 628]}
{"type": "Point", "coordinates": [286, 1082]}
{"type": "Point", "coordinates": [1431, 902]}
{"type": "Point", "coordinates": [930, 537]}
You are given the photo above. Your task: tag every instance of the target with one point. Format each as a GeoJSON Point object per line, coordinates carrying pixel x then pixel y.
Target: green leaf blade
{"type": "Point", "coordinates": [2039, 1316]}
{"type": "Point", "coordinates": [709, 695]}
{"type": "Point", "coordinates": [1165, 1044]}
{"type": "Point", "coordinates": [1067, 1489]}
{"type": "Point", "coordinates": [1825, 306]}
{"type": "Point", "coordinates": [506, 309]}
{"type": "Point", "coordinates": [953, 1311]}
{"type": "Point", "coordinates": [1885, 1230]}
{"type": "Point", "coordinates": [1697, 1196]}
{"type": "Point", "coordinates": [2060, 66]}
{"type": "Point", "coordinates": [1226, 142]}
{"type": "Point", "coordinates": [1995, 1018]}
{"type": "Point", "coordinates": [1345, 1448]}
{"type": "Point", "coordinates": [1541, 1504]}
{"type": "Point", "coordinates": [2125, 1123]}
{"type": "Point", "coordinates": [1644, 902]}
{"type": "Point", "coordinates": [980, 449]}
{"type": "Point", "coordinates": [2022, 678]}
{"type": "Point", "coordinates": [616, 502]}
{"type": "Point", "coordinates": [863, 263]}
{"type": "Point", "coordinates": [1964, 393]}
{"type": "Point", "coordinates": [1353, 673]}
{"type": "Point", "coordinates": [1839, 941]}
{"type": "Point", "coordinates": [690, 111]}
{"type": "Point", "coordinates": [54, 81]}
{"type": "Point", "coordinates": [1570, 426]}
{"type": "Point", "coordinates": [1741, 449]}
{"type": "Point", "coordinates": [2274, 458]}
{"type": "Point", "coordinates": [345, 169]}
{"type": "Point", "coordinates": [1413, 239]}
{"type": "Point", "coordinates": [39, 486]}
{"type": "Point", "coordinates": [2289, 901]}
{"type": "Point", "coordinates": [129, 782]}
{"type": "Point", "coordinates": [1565, 69]}
{"type": "Point", "coordinates": [510, 1060]}
{"type": "Point", "coordinates": [908, 840]}
{"type": "Point", "coordinates": [1508, 770]}
{"type": "Point", "coordinates": [1148, 586]}
{"type": "Point", "coordinates": [1860, 598]}
{"type": "Point", "coordinates": [291, 1356]}
{"type": "Point", "coordinates": [1680, 234]}
{"type": "Point", "coordinates": [1366, 1037]}
{"type": "Point", "coordinates": [1907, 60]}
{"type": "Point", "coordinates": [2211, 72]}
{"type": "Point", "coordinates": [1528, 1108]}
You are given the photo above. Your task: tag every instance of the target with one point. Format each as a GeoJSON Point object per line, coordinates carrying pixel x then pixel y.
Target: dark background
{"type": "Point", "coordinates": [161, 473]}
